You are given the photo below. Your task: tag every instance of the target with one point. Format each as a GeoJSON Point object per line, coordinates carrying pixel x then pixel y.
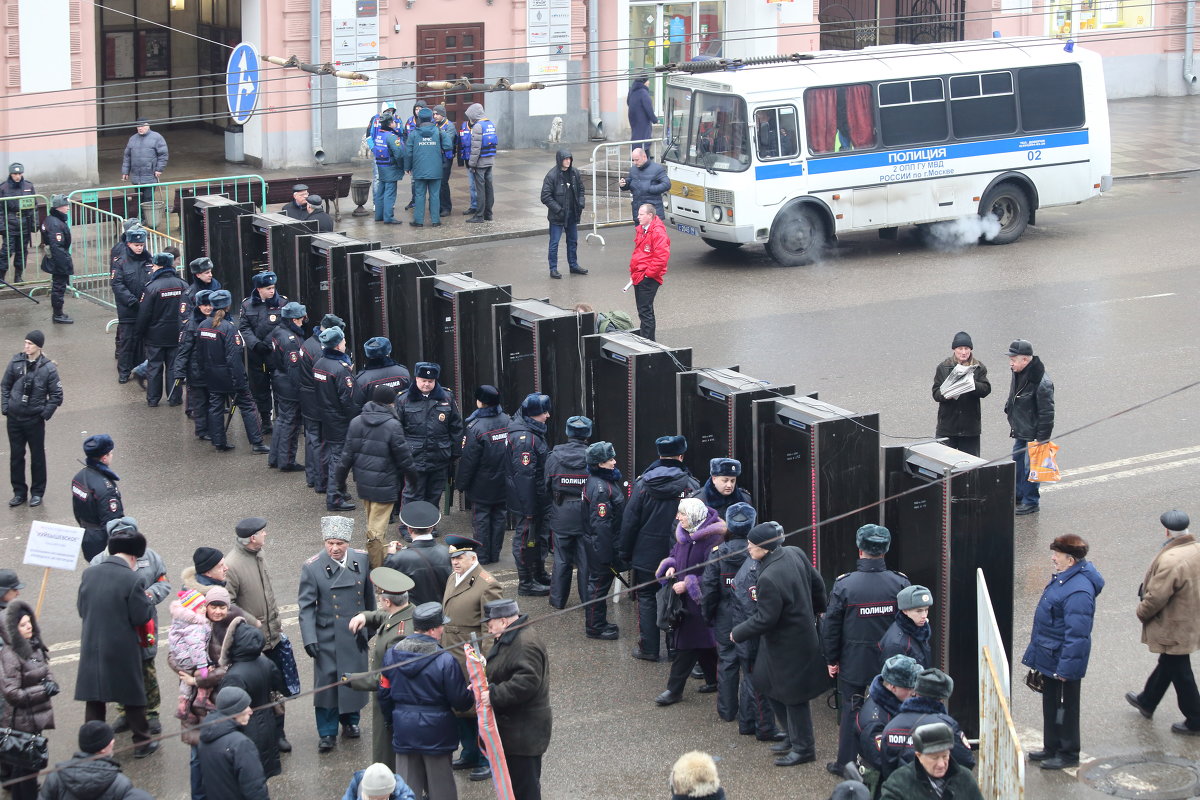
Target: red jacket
{"type": "Point", "coordinates": [651, 251]}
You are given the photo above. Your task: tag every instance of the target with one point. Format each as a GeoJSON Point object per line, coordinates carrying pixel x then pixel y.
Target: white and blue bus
{"type": "Point", "coordinates": [791, 156]}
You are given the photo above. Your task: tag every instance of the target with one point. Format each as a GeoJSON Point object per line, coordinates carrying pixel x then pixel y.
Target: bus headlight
{"type": "Point", "coordinates": [718, 213]}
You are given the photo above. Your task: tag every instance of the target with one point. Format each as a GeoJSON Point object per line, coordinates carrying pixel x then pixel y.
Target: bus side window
{"type": "Point", "coordinates": [789, 146]}
{"type": "Point", "coordinates": [775, 132]}
{"type": "Point", "coordinates": [840, 118]}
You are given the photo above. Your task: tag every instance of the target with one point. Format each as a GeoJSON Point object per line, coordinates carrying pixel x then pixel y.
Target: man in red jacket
{"type": "Point", "coordinates": [648, 265]}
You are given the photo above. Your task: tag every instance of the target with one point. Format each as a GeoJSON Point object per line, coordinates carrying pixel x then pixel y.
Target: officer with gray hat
{"type": "Point", "coordinates": [927, 703]}
{"type": "Point", "coordinates": [128, 272]}
{"type": "Point", "coordinates": [910, 633]}
{"type": "Point", "coordinates": [389, 623]}
{"type": "Point", "coordinates": [286, 341]}
{"type": "Point", "coordinates": [862, 605]}
{"type": "Point", "coordinates": [334, 587]}
{"type": "Point", "coordinates": [56, 238]}
{"type": "Point", "coordinates": [566, 475]}
{"type": "Point", "coordinates": [316, 462]}
{"type": "Point", "coordinates": [933, 773]}
{"type": "Point", "coordinates": [887, 692]}
{"type": "Point", "coordinates": [19, 223]}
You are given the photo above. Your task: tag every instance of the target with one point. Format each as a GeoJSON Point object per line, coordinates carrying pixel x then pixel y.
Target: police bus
{"type": "Point", "coordinates": [790, 156]}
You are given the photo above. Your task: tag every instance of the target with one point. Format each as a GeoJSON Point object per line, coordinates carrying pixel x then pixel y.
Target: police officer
{"type": "Point", "coordinates": [316, 464]}
{"type": "Point", "coordinates": [861, 607]}
{"type": "Point", "coordinates": [95, 496]}
{"type": "Point", "coordinates": [158, 324]}
{"type": "Point", "coordinates": [448, 135]}
{"type": "Point", "coordinates": [480, 474]}
{"type": "Point", "coordinates": [335, 404]}
{"type": "Point", "coordinates": [187, 369]}
{"type": "Point", "coordinates": [387, 147]}
{"type": "Point", "coordinates": [297, 207]}
{"type": "Point", "coordinates": [891, 687]}
{"type": "Point", "coordinates": [202, 278]}
{"type": "Point", "coordinates": [468, 590]}
{"type": "Point", "coordinates": [484, 143]}
{"type": "Point", "coordinates": [433, 427]}
{"type": "Point", "coordinates": [334, 588]}
{"type": "Point", "coordinates": [19, 223]}
{"type": "Point", "coordinates": [528, 495]}
{"type": "Point", "coordinates": [424, 559]}
{"type": "Point", "coordinates": [318, 214]}
{"type": "Point", "coordinates": [717, 603]}
{"type": "Point", "coordinates": [601, 507]}
{"type": "Point", "coordinates": [721, 491]}
{"type": "Point", "coordinates": [566, 474]}
{"type": "Point", "coordinates": [56, 235]}
{"type": "Point", "coordinates": [286, 341]}
{"type": "Point", "coordinates": [379, 370]}
{"type": "Point", "coordinates": [259, 316]}
{"type": "Point", "coordinates": [130, 268]}
{"type": "Point", "coordinates": [389, 623]}
{"type": "Point", "coordinates": [222, 364]}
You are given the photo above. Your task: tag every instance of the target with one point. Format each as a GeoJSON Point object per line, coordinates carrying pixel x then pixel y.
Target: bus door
{"type": "Point", "coordinates": [779, 171]}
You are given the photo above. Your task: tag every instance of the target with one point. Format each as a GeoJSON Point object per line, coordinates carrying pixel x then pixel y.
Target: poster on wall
{"type": "Point", "coordinates": [154, 50]}
{"type": "Point", "coordinates": [356, 46]}
{"type": "Point", "coordinates": [118, 55]}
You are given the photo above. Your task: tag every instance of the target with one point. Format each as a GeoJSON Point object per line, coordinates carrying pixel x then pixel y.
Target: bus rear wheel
{"type": "Point", "coordinates": [720, 246]}
{"type": "Point", "coordinates": [798, 236]}
{"type": "Point", "coordinates": [1009, 204]}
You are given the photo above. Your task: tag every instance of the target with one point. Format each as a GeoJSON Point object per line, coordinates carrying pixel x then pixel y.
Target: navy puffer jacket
{"type": "Point", "coordinates": [421, 688]}
{"type": "Point", "coordinates": [1061, 641]}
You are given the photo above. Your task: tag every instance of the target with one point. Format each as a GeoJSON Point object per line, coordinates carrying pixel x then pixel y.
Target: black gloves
{"type": "Point", "coordinates": [311, 649]}
{"type": "Point", "coordinates": [51, 687]}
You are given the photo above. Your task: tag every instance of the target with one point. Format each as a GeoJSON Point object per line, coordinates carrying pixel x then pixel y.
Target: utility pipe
{"type": "Point", "coordinates": [597, 124]}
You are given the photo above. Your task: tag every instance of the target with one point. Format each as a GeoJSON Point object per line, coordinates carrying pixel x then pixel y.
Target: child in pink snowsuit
{"type": "Point", "coordinates": [188, 640]}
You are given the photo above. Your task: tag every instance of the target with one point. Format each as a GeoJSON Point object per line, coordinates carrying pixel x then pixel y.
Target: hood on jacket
{"type": "Point", "coordinates": [88, 780]}
{"type": "Point", "coordinates": [217, 726]}
{"type": "Point", "coordinates": [712, 525]}
{"type": "Point", "coordinates": [665, 479]}
{"type": "Point", "coordinates": [561, 154]}
{"type": "Point", "coordinates": [1086, 571]}
{"type": "Point", "coordinates": [186, 615]}
{"type": "Point", "coordinates": [375, 414]}
{"type": "Point", "coordinates": [414, 654]}
{"type": "Point", "coordinates": [474, 113]}
{"type": "Point", "coordinates": [243, 642]}
{"type": "Point", "coordinates": [12, 637]}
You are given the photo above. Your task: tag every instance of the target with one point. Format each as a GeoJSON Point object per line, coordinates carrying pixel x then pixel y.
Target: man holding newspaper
{"type": "Point", "coordinates": [959, 383]}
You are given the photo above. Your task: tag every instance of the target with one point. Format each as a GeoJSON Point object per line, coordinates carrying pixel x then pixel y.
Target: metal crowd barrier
{"type": "Point", "coordinates": [610, 205]}
{"type": "Point", "coordinates": [20, 237]}
{"type": "Point", "coordinates": [1001, 768]}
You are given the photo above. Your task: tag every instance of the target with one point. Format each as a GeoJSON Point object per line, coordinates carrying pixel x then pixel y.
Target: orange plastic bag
{"type": "Point", "coordinates": [1043, 462]}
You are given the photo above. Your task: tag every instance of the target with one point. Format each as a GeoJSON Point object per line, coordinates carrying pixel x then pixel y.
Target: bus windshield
{"type": "Point", "coordinates": [707, 130]}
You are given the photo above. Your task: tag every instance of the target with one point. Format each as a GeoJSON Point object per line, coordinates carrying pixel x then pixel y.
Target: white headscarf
{"type": "Point", "coordinates": [696, 512]}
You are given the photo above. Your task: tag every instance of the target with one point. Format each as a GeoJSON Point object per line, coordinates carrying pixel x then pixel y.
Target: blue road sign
{"type": "Point", "coordinates": [241, 82]}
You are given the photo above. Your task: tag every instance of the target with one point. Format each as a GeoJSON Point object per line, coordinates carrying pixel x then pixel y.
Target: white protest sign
{"type": "Point", "coordinates": [53, 546]}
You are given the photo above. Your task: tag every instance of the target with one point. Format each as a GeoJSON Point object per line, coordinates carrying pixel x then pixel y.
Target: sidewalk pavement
{"type": "Point", "coordinates": [1150, 136]}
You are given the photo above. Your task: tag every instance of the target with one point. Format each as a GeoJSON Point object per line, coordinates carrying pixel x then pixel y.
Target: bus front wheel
{"type": "Point", "coordinates": [720, 246]}
{"type": "Point", "coordinates": [1009, 205]}
{"type": "Point", "coordinates": [798, 236]}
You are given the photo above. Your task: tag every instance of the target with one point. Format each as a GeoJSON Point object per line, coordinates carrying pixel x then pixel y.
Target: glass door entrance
{"type": "Point", "coordinates": [666, 33]}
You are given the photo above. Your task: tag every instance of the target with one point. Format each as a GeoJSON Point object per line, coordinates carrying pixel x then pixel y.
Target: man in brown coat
{"type": "Point", "coordinates": [468, 589]}
{"type": "Point", "coordinates": [1170, 615]}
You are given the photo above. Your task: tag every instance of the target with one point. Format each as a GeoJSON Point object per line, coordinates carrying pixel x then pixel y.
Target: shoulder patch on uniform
{"type": "Point", "coordinates": [901, 574]}
{"type": "Point", "coordinates": [314, 558]}
{"type": "Point", "coordinates": [487, 576]}
{"type": "Point", "coordinates": [839, 577]}
{"type": "Point", "coordinates": [716, 548]}
{"type": "Point", "coordinates": [356, 550]}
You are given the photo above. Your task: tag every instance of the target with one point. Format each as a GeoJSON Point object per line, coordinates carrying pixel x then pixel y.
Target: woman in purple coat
{"type": "Point", "coordinates": [699, 532]}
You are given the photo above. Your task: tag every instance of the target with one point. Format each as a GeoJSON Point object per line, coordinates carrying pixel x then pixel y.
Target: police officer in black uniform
{"type": "Point", "coordinates": [379, 370]}
{"type": "Point", "coordinates": [286, 340]}
{"type": "Point", "coordinates": [222, 362]}
{"type": "Point", "coordinates": [424, 559]}
{"type": "Point", "coordinates": [566, 474]}
{"type": "Point", "coordinates": [318, 214]}
{"type": "Point", "coordinates": [19, 223]}
{"type": "Point", "coordinates": [480, 474]}
{"type": "Point", "coordinates": [95, 497]}
{"type": "Point", "coordinates": [158, 323]}
{"type": "Point", "coordinates": [259, 316]}
{"type": "Point", "coordinates": [316, 465]}
{"type": "Point", "coordinates": [528, 495]}
{"type": "Point", "coordinates": [721, 491]}
{"type": "Point", "coordinates": [297, 207]}
{"type": "Point", "coordinates": [335, 404]}
{"type": "Point", "coordinates": [717, 603]}
{"type": "Point", "coordinates": [130, 269]}
{"type": "Point", "coordinates": [202, 278]}
{"type": "Point", "coordinates": [601, 507]}
{"type": "Point", "coordinates": [861, 607]}
{"type": "Point", "coordinates": [187, 369]}
{"type": "Point", "coordinates": [56, 235]}
{"type": "Point", "coordinates": [433, 426]}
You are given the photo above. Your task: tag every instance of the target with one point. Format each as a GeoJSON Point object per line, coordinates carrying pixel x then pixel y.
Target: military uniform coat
{"type": "Point", "coordinates": [464, 604]}
{"type": "Point", "coordinates": [111, 603]}
{"type": "Point", "coordinates": [330, 595]}
{"type": "Point", "coordinates": [250, 588]}
{"type": "Point", "coordinates": [389, 629]}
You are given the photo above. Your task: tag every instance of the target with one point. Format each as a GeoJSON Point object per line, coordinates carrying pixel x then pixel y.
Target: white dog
{"type": "Point", "coordinates": [556, 130]}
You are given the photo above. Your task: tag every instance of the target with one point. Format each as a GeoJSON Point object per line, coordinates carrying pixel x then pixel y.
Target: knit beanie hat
{"type": "Point", "coordinates": [377, 779]}
{"type": "Point", "coordinates": [94, 736]}
{"type": "Point", "coordinates": [192, 600]}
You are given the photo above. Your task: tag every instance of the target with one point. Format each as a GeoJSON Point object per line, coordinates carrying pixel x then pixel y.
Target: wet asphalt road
{"type": "Point", "coordinates": [1105, 291]}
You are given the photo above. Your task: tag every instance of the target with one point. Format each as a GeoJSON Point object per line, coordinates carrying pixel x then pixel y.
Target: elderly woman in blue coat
{"type": "Point", "coordinates": [1059, 647]}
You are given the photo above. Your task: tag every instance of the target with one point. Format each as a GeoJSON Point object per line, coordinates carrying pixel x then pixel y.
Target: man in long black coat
{"type": "Point", "coordinates": [789, 668]}
{"type": "Point", "coordinates": [113, 604]}
{"type": "Point", "coordinates": [518, 673]}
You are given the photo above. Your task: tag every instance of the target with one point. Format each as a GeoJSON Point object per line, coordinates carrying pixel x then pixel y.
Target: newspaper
{"type": "Point", "coordinates": [960, 381]}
